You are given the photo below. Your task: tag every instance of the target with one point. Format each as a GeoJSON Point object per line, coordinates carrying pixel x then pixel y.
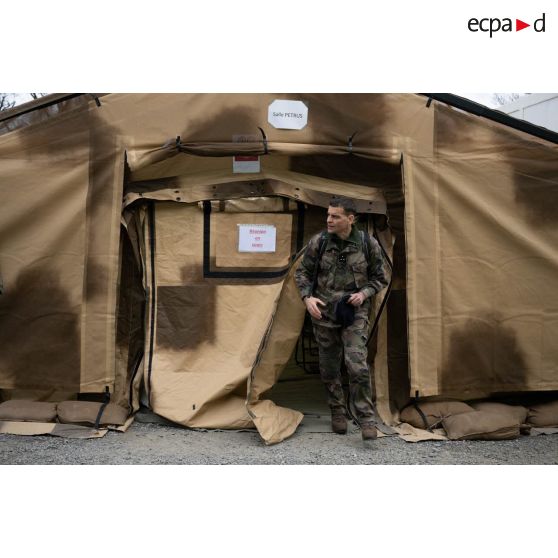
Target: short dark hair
{"type": "Point", "coordinates": [347, 204]}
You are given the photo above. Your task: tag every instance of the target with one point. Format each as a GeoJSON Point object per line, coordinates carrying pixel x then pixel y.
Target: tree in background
{"type": "Point", "coordinates": [9, 100]}
{"type": "Point", "coordinates": [6, 101]}
{"type": "Point", "coordinates": [505, 98]}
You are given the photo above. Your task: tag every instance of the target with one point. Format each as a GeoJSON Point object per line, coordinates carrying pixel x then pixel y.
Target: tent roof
{"type": "Point", "coordinates": [447, 98]}
{"type": "Point", "coordinates": [41, 102]}
{"type": "Point", "coordinates": [495, 115]}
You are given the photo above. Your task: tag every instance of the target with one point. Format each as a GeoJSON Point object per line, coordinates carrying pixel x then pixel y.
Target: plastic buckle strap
{"type": "Point", "coordinates": [96, 99]}
{"type": "Point", "coordinates": [350, 143]}
{"type": "Point", "coordinates": [102, 408]}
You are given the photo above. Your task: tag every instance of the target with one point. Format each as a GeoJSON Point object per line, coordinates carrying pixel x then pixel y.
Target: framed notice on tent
{"type": "Point", "coordinates": [252, 240]}
{"type": "Point", "coordinates": [257, 238]}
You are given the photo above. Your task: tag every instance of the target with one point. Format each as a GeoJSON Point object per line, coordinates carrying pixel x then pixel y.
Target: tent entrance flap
{"type": "Point", "coordinates": [211, 304]}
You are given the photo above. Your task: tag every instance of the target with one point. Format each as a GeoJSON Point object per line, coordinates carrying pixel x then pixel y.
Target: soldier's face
{"type": "Point", "coordinates": [338, 221]}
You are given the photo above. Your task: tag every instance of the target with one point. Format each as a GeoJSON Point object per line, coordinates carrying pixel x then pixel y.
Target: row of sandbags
{"type": "Point", "coordinates": [483, 420]}
{"type": "Point", "coordinates": [71, 412]}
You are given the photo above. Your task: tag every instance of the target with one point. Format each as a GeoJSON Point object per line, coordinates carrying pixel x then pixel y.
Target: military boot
{"type": "Point", "coordinates": [369, 433]}
{"type": "Point", "coordinates": [339, 424]}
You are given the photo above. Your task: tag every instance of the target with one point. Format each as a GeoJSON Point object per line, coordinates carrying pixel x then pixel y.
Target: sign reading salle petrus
{"type": "Point", "coordinates": [257, 238]}
{"type": "Point", "coordinates": [287, 115]}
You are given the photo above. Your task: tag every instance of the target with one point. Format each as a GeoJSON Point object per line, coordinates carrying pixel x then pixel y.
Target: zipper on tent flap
{"type": "Point", "coordinates": [384, 301]}
{"type": "Point", "coordinates": [265, 338]}
{"type": "Point", "coordinates": [139, 358]}
{"type": "Point", "coordinates": [151, 217]}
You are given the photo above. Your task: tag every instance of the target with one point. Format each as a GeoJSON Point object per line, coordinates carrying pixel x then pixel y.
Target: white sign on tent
{"type": "Point", "coordinates": [246, 163]}
{"type": "Point", "coordinates": [287, 115]}
{"type": "Point", "coordinates": [257, 238]}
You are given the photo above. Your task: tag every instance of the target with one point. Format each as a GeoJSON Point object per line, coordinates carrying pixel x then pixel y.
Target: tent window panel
{"type": "Point", "coordinates": [220, 241]}
{"type": "Point", "coordinates": [228, 233]}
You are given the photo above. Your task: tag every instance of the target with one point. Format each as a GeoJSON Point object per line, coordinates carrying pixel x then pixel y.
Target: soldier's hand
{"type": "Point", "coordinates": [312, 306]}
{"type": "Point", "coordinates": [356, 299]}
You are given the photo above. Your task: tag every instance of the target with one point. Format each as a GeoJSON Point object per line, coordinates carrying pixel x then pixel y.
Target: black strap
{"type": "Point", "coordinates": [422, 416]}
{"type": "Point", "coordinates": [367, 246]}
{"type": "Point", "coordinates": [106, 400]}
{"type": "Point", "coordinates": [206, 236]}
{"type": "Point", "coordinates": [321, 250]}
{"type": "Point", "coordinates": [264, 139]}
{"type": "Point", "coordinates": [153, 293]}
{"type": "Point", "coordinates": [350, 143]}
{"type": "Point", "coordinates": [96, 99]}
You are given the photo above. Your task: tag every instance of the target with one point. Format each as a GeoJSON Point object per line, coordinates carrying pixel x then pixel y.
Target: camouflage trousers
{"type": "Point", "coordinates": [332, 342]}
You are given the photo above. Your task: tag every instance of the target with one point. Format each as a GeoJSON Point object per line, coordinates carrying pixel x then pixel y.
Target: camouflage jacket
{"type": "Point", "coordinates": [338, 276]}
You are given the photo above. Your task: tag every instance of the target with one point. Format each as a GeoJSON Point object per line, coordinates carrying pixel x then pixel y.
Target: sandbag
{"type": "Point", "coordinates": [28, 411]}
{"type": "Point", "coordinates": [434, 412]}
{"type": "Point", "coordinates": [481, 425]}
{"type": "Point", "coordinates": [50, 395]}
{"type": "Point", "coordinates": [517, 412]}
{"type": "Point", "coordinates": [543, 415]}
{"type": "Point", "coordinates": [85, 412]}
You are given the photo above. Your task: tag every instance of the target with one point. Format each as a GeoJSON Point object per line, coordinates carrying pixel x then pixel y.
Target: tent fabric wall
{"type": "Point", "coordinates": [482, 260]}
{"type": "Point", "coordinates": [61, 187]}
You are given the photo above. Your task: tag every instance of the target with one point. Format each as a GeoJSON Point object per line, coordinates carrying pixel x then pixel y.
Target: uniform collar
{"type": "Point", "coordinates": [354, 237]}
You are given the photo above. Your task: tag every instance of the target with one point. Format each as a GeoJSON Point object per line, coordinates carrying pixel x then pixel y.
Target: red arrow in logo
{"type": "Point", "coordinates": [519, 25]}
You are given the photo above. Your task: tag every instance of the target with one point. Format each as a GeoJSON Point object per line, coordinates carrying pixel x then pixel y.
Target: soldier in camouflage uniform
{"type": "Point", "coordinates": [344, 269]}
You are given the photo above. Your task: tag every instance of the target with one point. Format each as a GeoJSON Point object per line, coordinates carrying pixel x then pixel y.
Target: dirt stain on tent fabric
{"type": "Point", "coordinates": [39, 332]}
{"type": "Point", "coordinates": [99, 210]}
{"type": "Point", "coordinates": [186, 313]}
{"type": "Point", "coordinates": [225, 124]}
{"type": "Point", "coordinates": [483, 352]}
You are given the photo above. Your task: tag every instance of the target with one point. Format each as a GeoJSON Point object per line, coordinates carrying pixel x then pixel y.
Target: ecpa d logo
{"type": "Point", "coordinates": [493, 25]}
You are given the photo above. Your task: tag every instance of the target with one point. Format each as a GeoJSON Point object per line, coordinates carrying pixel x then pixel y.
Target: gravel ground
{"type": "Point", "coordinates": [156, 444]}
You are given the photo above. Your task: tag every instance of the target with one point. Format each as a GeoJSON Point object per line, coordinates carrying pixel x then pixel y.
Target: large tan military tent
{"type": "Point", "coordinates": [121, 268]}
